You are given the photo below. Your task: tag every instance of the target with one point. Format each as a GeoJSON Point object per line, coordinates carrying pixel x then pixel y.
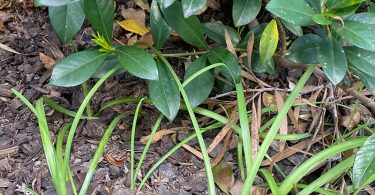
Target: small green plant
{"type": "Point", "coordinates": [342, 42]}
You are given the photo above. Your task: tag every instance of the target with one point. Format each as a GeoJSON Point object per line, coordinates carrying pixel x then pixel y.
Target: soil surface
{"type": "Point", "coordinates": [27, 30]}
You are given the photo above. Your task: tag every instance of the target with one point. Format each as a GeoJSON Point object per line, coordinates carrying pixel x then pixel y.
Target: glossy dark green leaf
{"type": "Point", "coordinates": [362, 59]}
{"type": "Point", "coordinates": [215, 31]}
{"type": "Point", "coordinates": [295, 29]}
{"type": "Point", "coordinates": [344, 11]}
{"type": "Point", "coordinates": [346, 3]}
{"type": "Point", "coordinates": [221, 55]}
{"type": "Point", "coordinates": [223, 86]}
{"type": "Point", "coordinates": [257, 67]}
{"type": "Point", "coordinates": [100, 14]}
{"type": "Point", "coordinates": [66, 20]}
{"type": "Point", "coordinates": [38, 3]}
{"type": "Point", "coordinates": [315, 5]}
{"type": "Point", "coordinates": [368, 80]}
{"type": "Point", "coordinates": [76, 68]}
{"type": "Point", "coordinates": [138, 62]}
{"type": "Point", "coordinates": [364, 18]}
{"type": "Point", "coordinates": [294, 11]}
{"type": "Point", "coordinates": [164, 92]}
{"type": "Point", "coordinates": [357, 33]}
{"type": "Point", "coordinates": [166, 3]}
{"type": "Point", "coordinates": [200, 88]}
{"type": "Point", "coordinates": [305, 49]}
{"type": "Point", "coordinates": [110, 62]}
{"type": "Point", "coordinates": [190, 29]}
{"type": "Point", "coordinates": [244, 11]}
{"type": "Point", "coordinates": [364, 164]}
{"type": "Point", "coordinates": [321, 19]}
{"type": "Point", "coordinates": [333, 60]}
{"type": "Point", "coordinates": [159, 27]}
{"type": "Point", "coordinates": [268, 42]}
{"type": "Point", "coordinates": [190, 7]}
{"type": "Point", "coordinates": [258, 31]}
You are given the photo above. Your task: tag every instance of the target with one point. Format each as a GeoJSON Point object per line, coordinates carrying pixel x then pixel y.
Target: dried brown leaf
{"type": "Point", "coordinates": [221, 154]}
{"type": "Point", "coordinates": [236, 188]}
{"type": "Point", "coordinates": [136, 15]}
{"type": "Point", "coordinates": [229, 42]}
{"type": "Point", "coordinates": [147, 40]}
{"type": "Point", "coordinates": [193, 151]}
{"type": "Point", "coordinates": [292, 150]}
{"type": "Point", "coordinates": [351, 120]}
{"type": "Point", "coordinates": [158, 135]}
{"type": "Point", "coordinates": [249, 50]}
{"type": "Point", "coordinates": [47, 61]}
{"type": "Point", "coordinates": [254, 128]}
{"type": "Point", "coordinates": [279, 97]}
{"type": "Point", "coordinates": [224, 131]}
{"type": "Point", "coordinates": [115, 161]}
{"type": "Point", "coordinates": [223, 176]}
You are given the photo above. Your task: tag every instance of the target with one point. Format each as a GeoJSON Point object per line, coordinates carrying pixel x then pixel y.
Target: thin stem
{"type": "Point", "coordinates": [176, 55]}
{"type": "Point", "coordinates": [206, 158]}
{"type": "Point", "coordinates": [85, 90]}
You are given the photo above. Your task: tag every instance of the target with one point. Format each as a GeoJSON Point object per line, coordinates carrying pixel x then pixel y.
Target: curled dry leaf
{"type": "Point", "coordinates": [223, 176]}
{"type": "Point", "coordinates": [158, 135]}
{"type": "Point", "coordinates": [229, 42]}
{"type": "Point", "coordinates": [115, 161]}
{"type": "Point", "coordinates": [132, 40]}
{"type": "Point", "coordinates": [47, 61]}
{"type": "Point", "coordinates": [351, 120]}
{"type": "Point", "coordinates": [279, 96]}
{"type": "Point", "coordinates": [147, 40]}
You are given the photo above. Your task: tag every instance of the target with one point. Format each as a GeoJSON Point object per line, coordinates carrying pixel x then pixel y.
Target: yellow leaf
{"type": "Point", "coordinates": [133, 26]}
